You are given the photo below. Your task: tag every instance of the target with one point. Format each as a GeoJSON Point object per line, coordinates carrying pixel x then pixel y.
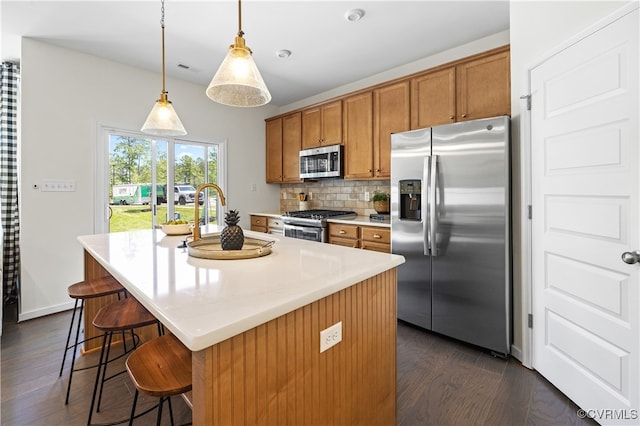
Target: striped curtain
{"type": "Point", "coordinates": [10, 79]}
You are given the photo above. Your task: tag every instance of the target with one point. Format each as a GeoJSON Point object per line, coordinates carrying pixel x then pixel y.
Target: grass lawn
{"type": "Point", "coordinates": [129, 218]}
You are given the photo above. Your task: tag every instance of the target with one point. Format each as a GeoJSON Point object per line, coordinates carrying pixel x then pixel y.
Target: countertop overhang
{"type": "Point", "coordinates": [204, 302]}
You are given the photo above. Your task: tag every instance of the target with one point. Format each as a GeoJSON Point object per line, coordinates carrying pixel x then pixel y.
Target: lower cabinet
{"type": "Point", "coordinates": [374, 238]}
{"type": "Point", "coordinates": [274, 226]}
{"type": "Point", "coordinates": [259, 223]}
{"type": "Point", "coordinates": [267, 224]}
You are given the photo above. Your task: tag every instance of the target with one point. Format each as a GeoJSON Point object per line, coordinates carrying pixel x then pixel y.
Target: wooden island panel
{"type": "Point", "coordinates": [275, 373]}
{"type": "Point", "coordinates": [92, 270]}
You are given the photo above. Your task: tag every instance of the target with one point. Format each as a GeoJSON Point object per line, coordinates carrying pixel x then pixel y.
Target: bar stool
{"type": "Point", "coordinates": [82, 291]}
{"type": "Point", "coordinates": [122, 315]}
{"type": "Point", "coordinates": [161, 368]}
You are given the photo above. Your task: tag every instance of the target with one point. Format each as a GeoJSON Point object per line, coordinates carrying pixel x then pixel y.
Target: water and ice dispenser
{"type": "Point", "coordinates": [410, 199]}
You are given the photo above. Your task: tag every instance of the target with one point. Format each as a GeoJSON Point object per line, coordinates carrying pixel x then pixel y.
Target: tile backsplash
{"type": "Point", "coordinates": [334, 194]}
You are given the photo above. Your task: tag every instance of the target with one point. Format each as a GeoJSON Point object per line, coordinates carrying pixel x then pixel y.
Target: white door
{"type": "Point", "coordinates": [586, 199]}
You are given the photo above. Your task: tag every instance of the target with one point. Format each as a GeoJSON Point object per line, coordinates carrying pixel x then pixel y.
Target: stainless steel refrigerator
{"type": "Point", "coordinates": [450, 215]}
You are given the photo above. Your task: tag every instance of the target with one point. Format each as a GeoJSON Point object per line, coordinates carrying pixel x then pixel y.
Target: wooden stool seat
{"type": "Point", "coordinates": [160, 368]}
{"type": "Point", "coordinates": [81, 291]}
{"type": "Point", "coordinates": [119, 316]}
{"type": "Point", "coordinates": [123, 315]}
{"type": "Point", "coordinates": [98, 287]}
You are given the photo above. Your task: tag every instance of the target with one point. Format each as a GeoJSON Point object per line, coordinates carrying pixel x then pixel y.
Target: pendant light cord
{"type": "Point", "coordinates": [240, 33]}
{"type": "Point", "coordinates": [162, 26]}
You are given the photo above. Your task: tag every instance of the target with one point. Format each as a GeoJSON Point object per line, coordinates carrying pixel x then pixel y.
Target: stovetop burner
{"type": "Point", "coordinates": [318, 214]}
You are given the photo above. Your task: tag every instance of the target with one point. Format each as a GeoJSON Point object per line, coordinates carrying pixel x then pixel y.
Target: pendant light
{"type": "Point", "coordinates": [163, 120]}
{"type": "Point", "coordinates": [238, 81]}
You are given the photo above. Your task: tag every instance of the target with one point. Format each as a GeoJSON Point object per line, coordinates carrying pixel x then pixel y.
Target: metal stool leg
{"type": "Point", "coordinates": [66, 346]}
{"type": "Point", "coordinates": [95, 385]}
{"type": "Point", "coordinates": [104, 371]}
{"type": "Point", "coordinates": [73, 356]}
{"type": "Point", "coordinates": [133, 408]}
{"type": "Point", "coordinates": [159, 419]}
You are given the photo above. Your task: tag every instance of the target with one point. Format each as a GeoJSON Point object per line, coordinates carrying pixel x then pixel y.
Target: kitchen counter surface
{"type": "Point", "coordinates": [204, 302]}
{"type": "Point", "coordinates": [362, 220]}
{"type": "Point", "coordinates": [271, 214]}
{"type": "Point", "coordinates": [358, 220]}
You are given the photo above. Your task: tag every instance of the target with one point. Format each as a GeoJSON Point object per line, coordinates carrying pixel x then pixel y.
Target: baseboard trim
{"type": "Point", "coordinates": [25, 316]}
{"type": "Point", "coordinates": [516, 352]}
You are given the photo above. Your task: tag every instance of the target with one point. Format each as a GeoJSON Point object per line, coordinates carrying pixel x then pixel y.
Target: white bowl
{"type": "Point", "coordinates": [180, 229]}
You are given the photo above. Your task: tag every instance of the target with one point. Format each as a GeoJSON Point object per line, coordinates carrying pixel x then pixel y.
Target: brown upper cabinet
{"type": "Point", "coordinates": [468, 90]}
{"type": "Point", "coordinates": [322, 125]}
{"type": "Point", "coordinates": [390, 115]}
{"type": "Point", "coordinates": [369, 118]}
{"type": "Point", "coordinates": [283, 148]}
{"type": "Point", "coordinates": [358, 136]}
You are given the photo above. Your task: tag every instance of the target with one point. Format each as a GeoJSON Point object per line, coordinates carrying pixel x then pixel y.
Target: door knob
{"type": "Point", "coordinates": [631, 257]}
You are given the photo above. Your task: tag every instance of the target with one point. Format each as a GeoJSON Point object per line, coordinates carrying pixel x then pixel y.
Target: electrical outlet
{"type": "Point", "coordinates": [253, 187]}
{"type": "Point", "coordinates": [366, 196]}
{"type": "Point", "coordinates": [330, 336]}
{"type": "Point", "coordinates": [310, 195]}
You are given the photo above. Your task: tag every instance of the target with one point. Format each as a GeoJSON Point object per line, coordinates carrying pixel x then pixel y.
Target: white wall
{"type": "Point", "coordinates": [65, 95]}
{"type": "Point", "coordinates": [536, 28]}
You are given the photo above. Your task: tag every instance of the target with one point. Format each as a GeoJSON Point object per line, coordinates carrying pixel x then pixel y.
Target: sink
{"type": "Point", "coordinates": [210, 247]}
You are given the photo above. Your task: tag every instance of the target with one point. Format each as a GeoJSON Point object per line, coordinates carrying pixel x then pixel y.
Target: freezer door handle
{"type": "Point", "coordinates": [425, 205]}
{"type": "Point", "coordinates": [433, 175]}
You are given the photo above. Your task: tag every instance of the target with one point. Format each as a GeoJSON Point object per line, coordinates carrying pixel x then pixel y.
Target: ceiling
{"type": "Point", "coordinates": [327, 50]}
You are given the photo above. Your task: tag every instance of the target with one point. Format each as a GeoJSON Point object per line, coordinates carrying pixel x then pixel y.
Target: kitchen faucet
{"type": "Point", "coordinates": [196, 228]}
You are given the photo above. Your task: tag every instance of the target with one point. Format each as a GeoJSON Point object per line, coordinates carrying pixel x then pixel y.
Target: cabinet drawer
{"type": "Point", "coordinates": [376, 234]}
{"type": "Point", "coordinates": [346, 242]}
{"type": "Point", "coordinates": [381, 247]}
{"type": "Point", "coordinates": [259, 221]}
{"type": "Point", "coordinates": [344, 231]}
{"type": "Point", "coordinates": [273, 223]}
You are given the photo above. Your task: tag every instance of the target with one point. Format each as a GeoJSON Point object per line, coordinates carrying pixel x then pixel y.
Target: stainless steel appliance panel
{"type": "Point", "coordinates": [471, 273]}
{"type": "Point", "coordinates": [410, 158]}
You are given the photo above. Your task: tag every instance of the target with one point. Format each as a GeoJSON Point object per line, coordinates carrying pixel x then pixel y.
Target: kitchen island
{"type": "Point", "coordinates": [254, 325]}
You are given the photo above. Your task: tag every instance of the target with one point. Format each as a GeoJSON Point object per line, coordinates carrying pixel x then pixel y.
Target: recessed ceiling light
{"type": "Point", "coordinates": [283, 53]}
{"type": "Point", "coordinates": [353, 15]}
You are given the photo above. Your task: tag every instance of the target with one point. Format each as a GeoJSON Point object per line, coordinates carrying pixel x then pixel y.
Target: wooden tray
{"type": "Point", "coordinates": [210, 247]}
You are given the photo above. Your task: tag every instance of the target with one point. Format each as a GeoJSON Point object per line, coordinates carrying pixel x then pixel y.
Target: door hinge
{"type": "Point", "coordinates": [530, 211]}
{"type": "Point", "coordinates": [528, 98]}
{"type": "Point", "coordinates": [530, 320]}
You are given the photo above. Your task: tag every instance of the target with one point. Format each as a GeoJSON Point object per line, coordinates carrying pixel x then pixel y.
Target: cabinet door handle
{"type": "Point", "coordinates": [342, 232]}
{"type": "Point", "coordinates": [464, 115]}
{"type": "Point", "coordinates": [377, 236]}
{"type": "Point", "coordinates": [258, 221]}
{"type": "Point", "coordinates": [451, 117]}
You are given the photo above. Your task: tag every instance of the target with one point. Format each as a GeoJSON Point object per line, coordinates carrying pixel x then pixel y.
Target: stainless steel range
{"type": "Point", "coordinates": [311, 224]}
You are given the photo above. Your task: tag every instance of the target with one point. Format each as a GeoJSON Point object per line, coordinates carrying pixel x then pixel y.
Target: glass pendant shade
{"type": "Point", "coordinates": [163, 120]}
{"type": "Point", "coordinates": [238, 81]}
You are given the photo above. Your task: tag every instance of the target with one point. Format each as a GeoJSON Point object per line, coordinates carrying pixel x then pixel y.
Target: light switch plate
{"type": "Point", "coordinates": [58, 185]}
{"type": "Point", "coordinates": [330, 336]}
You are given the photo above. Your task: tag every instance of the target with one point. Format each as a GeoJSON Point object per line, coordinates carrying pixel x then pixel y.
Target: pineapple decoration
{"type": "Point", "coordinates": [232, 237]}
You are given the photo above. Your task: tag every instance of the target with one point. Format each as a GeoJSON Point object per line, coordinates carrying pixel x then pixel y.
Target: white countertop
{"type": "Point", "coordinates": [361, 220]}
{"type": "Point", "coordinates": [358, 220]}
{"type": "Point", "coordinates": [204, 301]}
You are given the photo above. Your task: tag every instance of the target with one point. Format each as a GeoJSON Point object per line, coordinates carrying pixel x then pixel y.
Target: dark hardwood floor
{"type": "Point", "coordinates": [440, 382]}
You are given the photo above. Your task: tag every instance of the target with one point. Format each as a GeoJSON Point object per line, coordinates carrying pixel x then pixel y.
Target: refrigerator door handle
{"type": "Point", "coordinates": [425, 206]}
{"type": "Point", "coordinates": [433, 175]}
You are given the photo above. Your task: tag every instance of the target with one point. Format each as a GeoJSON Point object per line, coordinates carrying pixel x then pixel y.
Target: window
{"type": "Point", "coordinates": [149, 181]}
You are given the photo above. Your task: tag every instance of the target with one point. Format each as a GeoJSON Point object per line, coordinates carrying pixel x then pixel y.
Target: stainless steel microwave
{"type": "Point", "coordinates": [321, 162]}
